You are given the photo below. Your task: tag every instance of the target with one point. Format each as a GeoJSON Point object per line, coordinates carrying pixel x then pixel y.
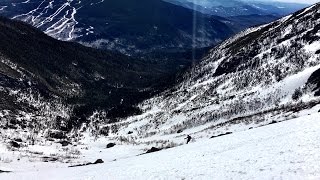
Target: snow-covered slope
{"type": "Point", "coordinates": [254, 78]}
{"type": "Point", "coordinates": [287, 150]}
{"type": "Point", "coordinates": [44, 81]}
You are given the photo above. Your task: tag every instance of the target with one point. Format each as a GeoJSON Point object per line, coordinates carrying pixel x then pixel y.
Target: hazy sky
{"type": "Point", "coordinates": [302, 1]}
{"type": "Point", "coordinates": [295, 1]}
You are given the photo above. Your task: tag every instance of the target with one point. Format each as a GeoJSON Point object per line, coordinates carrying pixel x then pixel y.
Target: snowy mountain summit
{"type": "Point", "coordinates": [260, 76]}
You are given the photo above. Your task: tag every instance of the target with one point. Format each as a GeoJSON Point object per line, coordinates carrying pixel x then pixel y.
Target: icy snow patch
{"type": "Point", "coordinates": [288, 85]}
{"type": "Point", "coordinates": [312, 47]}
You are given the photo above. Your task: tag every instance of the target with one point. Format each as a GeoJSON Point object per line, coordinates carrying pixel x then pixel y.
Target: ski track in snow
{"type": "Point", "coordinates": [3, 7]}
{"type": "Point", "coordinates": [60, 24]}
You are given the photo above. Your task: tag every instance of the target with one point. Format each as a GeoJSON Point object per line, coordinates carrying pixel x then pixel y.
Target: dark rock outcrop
{"type": "Point", "coordinates": [65, 143]}
{"type": "Point", "coordinates": [98, 161]}
{"type": "Point", "coordinates": [57, 134]}
{"type": "Point", "coordinates": [221, 135]}
{"type": "Point", "coordinates": [49, 159]}
{"type": "Point", "coordinates": [15, 144]}
{"type": "Point", "coordinates": [110, 145]}
{"type": "Point", "coordinates": [18, 140]}
{"type": "Point", "coordinates": [153, 149]}
{"type": "Point", "coordinates": [2, 171]}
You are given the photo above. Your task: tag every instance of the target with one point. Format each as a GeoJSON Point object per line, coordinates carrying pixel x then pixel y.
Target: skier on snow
{"type": "Point", "coordinates": [188, 138]}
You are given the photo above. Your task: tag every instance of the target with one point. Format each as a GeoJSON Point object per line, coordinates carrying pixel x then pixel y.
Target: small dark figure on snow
{"type": "Point", "coordinates": [188, 138]}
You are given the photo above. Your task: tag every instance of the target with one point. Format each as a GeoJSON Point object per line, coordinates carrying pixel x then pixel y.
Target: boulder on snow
{"type": "Point", "coordinates": [273, 122]}
{"type": "Point", "coordinates": [2, 171]}
{"type": "Point", "coordinates": [65, 143]}
{"type": "Point", "coordinates": [110, 145]}
{"type": "Point", "coordinates": [130, 132]}
{"type": "Point", "coordinates": [227, 133]}
{"type": "Point", "coordinates": [179, 131]}
{"type": "Point", "coordinates": [56, 134]}
{"type": "Point", "coordinates": [18, 140]}
{"type": "Point", "coordinates": [15, 144]}
{"type": "Point", "coordinates": [153, 149]}
{"type": "Point", "coordinates": [98, 161]}
{"type": "Point", "coordinates": [49, 159]}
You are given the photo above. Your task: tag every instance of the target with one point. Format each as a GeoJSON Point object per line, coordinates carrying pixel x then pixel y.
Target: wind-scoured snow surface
{"type": "Point", "coordinates": [287, 150]}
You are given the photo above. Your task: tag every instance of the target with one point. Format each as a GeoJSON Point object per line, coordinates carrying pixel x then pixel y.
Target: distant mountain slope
{"type": "Point", "coordinates": [241, 23]}
{"type": "Point", "coordinates": [41, 77]}
{"type": "Point", "coordinates": [260, 76]}
{"type": "Point", "coordinates": [240, 7]}
{"type": "Point", "coordinates": [128, 26]}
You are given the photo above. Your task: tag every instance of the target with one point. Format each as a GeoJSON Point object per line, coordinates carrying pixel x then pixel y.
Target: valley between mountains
{"type": "Point", "coordinates": [251, 105]}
